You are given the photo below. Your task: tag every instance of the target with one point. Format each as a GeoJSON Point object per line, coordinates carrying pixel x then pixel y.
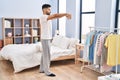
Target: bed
{"type": "Point", "coordinates": [25, 56]}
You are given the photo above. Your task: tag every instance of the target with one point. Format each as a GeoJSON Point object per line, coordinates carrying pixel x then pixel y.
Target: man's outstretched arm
{"type": "Point", "coordinates": [59, 15]}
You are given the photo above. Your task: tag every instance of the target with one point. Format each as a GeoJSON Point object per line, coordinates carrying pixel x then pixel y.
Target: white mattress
{"type": "Point", "coordinates": [25, 56]}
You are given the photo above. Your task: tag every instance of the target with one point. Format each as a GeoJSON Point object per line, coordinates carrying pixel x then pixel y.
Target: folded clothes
{"type": "Point", "coordinates": [113, 77]}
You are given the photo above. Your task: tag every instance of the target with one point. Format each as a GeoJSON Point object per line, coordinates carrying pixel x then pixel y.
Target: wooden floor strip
{"type": "Point", "coordinates": [64, 70]}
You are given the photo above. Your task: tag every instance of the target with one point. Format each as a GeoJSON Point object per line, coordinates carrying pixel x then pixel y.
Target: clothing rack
{"type": "Point", "coordinates": [109, 30]}
{"type": "Point", "coordinates": [104, 28]}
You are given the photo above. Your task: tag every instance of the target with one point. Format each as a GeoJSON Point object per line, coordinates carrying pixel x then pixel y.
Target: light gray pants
{"type": "Point", "coordinates": [45, 58]}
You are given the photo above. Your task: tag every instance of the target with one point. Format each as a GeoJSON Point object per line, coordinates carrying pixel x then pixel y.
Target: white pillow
{"type": "Point", "coordinates": [61, 42]}
{"type": "Point", "coordinates": [73, 42]}
{"type": "Point", "coordinates": [64, 43]}
{"type": "Point", "coordinates": [57, 40]}
{"type": "Point", "coordinates": [39, 46]}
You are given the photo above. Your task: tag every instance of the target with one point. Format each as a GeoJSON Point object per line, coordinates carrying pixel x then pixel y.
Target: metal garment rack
{"type": "Point", "coordinates": [108, 30]}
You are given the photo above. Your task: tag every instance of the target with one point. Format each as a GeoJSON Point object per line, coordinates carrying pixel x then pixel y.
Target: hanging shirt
{"type": "Point", "coordinates": [46, 27]}
{"type": "Point", "coordinates": [88, 42]}
{"type": "Point", "coordinates": [101, 45]}
{"type": "Point", "coordinates": [97, 58]}
{"type": "Point", "coordinates": [113, 44]}
{"type": "Point", "coordinates": [102, 50]}
{"type": "Point", "coordinates": [91, 48]}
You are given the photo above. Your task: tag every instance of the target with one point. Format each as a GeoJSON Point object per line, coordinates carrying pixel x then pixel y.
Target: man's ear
{"type": "Point", "coordinates": [43, 10]}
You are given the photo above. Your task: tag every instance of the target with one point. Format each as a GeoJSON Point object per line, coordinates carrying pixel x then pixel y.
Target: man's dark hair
{"type": "Point", "coordinates": [46, 6]}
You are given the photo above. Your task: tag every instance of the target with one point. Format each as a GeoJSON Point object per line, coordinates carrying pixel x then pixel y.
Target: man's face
{"type": "Point", "coordinates": [47, 11]}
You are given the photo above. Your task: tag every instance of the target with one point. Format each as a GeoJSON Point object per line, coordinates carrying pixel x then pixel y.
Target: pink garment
{"type": "Point", "coordinates": [96, 59]}
{"type": "Point", "coordinates": [102, 37]}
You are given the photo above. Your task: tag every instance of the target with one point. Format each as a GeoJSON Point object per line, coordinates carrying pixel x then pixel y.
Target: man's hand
{"type": "Point", "coordinates": [68, 16]}
{"type": "Point", "coordinates": [59, 15]}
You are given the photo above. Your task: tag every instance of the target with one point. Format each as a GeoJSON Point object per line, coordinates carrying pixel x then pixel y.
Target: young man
{"type": "Point", "coordinates": [46, 36]}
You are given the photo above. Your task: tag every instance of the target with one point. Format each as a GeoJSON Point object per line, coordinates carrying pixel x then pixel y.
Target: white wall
{"type": "Point", "coordinates": [54, 4]}
{"type": "Point", "coordinates": [24, 8]}
{"type": "Point", "coordinates": [72, 26]}
{"type": "Point", "coordinates": [105, 13]}
{"type": "Point", "coordinates": [62, 21]}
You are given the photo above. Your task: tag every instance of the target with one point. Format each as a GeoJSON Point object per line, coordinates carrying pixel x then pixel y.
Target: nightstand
{"type": "Point", "coordinates": [79, 47]}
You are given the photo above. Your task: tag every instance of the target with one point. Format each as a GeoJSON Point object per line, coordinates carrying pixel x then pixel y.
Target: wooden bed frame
{"type": "Point", "coordinates": [65, 57]}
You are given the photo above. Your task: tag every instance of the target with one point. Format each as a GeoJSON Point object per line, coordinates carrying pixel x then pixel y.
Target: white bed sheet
{"type": "Point", "coordinates": [25, 56]}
